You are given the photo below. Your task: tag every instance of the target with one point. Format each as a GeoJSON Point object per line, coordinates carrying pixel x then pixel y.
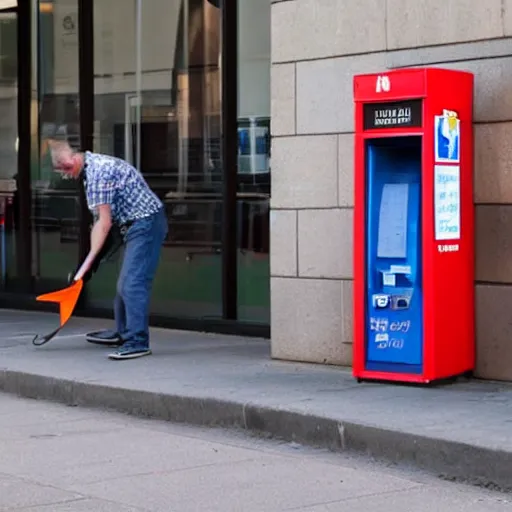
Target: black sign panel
{"type": "Point", "coordinates": [398, 114]}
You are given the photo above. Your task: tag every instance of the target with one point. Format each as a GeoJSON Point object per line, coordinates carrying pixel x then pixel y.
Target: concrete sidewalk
{"type": "Point", "coordinates": [460, 431]}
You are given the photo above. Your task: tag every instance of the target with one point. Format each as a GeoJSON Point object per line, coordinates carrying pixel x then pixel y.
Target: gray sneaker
{"type": "Point", "coordinates": [106, 338]}
{"type": "Point", "coordinates": [130, 351]}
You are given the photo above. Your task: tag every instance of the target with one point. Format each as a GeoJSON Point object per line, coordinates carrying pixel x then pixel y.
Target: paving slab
{"type": "Point", "coordinates": [461, 430]}
{"type": "Point", "coordinates": [31, 495]}
{"type": "Point", "coordinates": [416, 499]}
{"type": "Point", "coordinates": [254, 486]}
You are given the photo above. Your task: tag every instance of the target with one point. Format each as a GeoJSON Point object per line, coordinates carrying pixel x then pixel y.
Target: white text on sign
{"type": "Point", "coordinates": [448, 248]}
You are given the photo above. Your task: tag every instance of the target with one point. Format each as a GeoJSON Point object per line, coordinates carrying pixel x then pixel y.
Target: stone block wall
{"type": "Point", "coordinates": [317, 47]}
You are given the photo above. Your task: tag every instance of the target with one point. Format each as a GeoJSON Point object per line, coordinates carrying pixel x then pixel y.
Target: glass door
{"type": "Point", "coordinates": [253, 184]}
{"type": "Point", "coordinates": [8, 143]}
{"type": "Point", "coordinates": [55, 201]}
{"type": "Point", "coordinates": [157, 104]}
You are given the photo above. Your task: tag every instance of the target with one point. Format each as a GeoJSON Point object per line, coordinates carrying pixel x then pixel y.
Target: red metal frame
{"type": "Point", "coordinates": [448, 277]}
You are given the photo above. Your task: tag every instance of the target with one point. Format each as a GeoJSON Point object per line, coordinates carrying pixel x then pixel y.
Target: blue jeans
{"type": "Point", "coordinates": [143, 241]}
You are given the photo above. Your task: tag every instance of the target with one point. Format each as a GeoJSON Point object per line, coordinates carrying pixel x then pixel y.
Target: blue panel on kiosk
{"type": "Point", "coordinates": [394, 293]}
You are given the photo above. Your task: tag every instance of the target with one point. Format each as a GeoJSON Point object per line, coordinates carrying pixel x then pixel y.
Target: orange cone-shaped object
{"type": "Point", "coordinates": [67, 299]}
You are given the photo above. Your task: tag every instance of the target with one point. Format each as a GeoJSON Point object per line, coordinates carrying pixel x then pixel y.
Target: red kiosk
{"type": "Point", "coordinates": [413, 226]}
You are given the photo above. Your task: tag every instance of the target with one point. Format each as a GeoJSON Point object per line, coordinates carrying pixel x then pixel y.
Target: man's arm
{"type": "Point", "coordinates": [99, 234]}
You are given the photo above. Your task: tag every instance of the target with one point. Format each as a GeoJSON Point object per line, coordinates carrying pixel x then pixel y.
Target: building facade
{"type": "Point", "coordinates": [192, 92]}
{"type": "Point", "coordinates": [317, 47]}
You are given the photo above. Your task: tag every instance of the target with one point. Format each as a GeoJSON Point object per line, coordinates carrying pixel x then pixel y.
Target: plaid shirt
{"type": "Point", "coordinates": [110, 180]}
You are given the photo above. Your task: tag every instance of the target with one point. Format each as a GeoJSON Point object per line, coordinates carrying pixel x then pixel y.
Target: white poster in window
{"type": "Point", "coordinates": [392, 235]}
{"type": "Point", "coordinates": [65, 44]}
{"type": "Point", "coordinates": [447, 202]}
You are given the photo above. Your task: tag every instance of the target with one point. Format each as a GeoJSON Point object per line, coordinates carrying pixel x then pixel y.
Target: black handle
{"type": "Point", "coordinates": [39, 341]}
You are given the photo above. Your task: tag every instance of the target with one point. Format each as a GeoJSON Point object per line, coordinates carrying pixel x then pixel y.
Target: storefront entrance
{"type": "Point", "coordinates": [153, 83]}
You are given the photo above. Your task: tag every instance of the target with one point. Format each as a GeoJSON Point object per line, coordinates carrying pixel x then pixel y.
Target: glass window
{"type": "Point", "coordinates": [253, 160]}
{"type": "Point", "coordinates": [157, 104]}
{"type": "Point", "coordinates": [55, 201]}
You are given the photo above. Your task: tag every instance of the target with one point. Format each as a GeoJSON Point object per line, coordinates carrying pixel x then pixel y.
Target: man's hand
{"type": "Point", "coordinates": [99, 234]}
{"type": "Point", "coordinates": [85, 278]}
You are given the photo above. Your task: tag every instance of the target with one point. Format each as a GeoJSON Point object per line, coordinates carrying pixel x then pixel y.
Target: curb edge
{"type": "Point", "coordinates": [446, 459]}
